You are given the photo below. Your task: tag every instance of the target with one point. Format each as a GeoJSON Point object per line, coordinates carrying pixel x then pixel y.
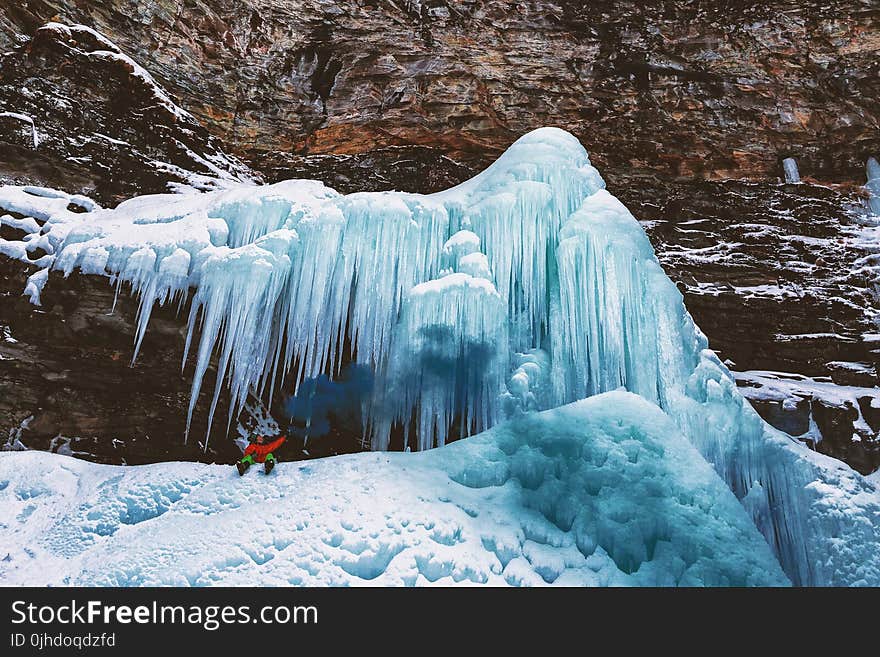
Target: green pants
{"type": "Point", "coordinates": [249, 459]}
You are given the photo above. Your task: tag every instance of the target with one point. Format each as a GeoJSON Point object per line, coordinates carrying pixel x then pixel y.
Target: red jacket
{"type": "Point", "coordinates": [261, 451]}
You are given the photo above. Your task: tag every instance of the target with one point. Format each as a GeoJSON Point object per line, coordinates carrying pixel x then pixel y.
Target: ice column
{"type": "Point", "coordinates": [873, 172]}
{"type": "Point", "coordinates": [789, 165]}
{"type": "Point", "coordinates": [449, 355]}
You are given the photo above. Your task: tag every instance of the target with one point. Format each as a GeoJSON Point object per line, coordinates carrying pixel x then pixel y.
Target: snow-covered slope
{"type": "Point", "coordinates": [525, 288]}
{"type": "Point", "coordinates": [605, 491]}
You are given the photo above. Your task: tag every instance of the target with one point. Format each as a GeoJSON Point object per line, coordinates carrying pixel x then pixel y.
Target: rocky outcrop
{"type": "Point", "coordinates": [404, 168]}
{"type": "Point", "coordinates": [779, 277]}
{"type": "Point", "coordinates": [840, 421]}
{"type": "Point", "coordinates": [671, 100]}
{"type": "Point", "coordinates": [774, 274]}
{"type": "Point", "coordinates": [684, 89]}
{"type": "Point", "coordinates": [77, 113]}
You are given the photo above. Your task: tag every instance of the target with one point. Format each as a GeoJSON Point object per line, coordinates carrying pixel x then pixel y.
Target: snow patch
{"type": "Point", "coordinates": [605, 492]}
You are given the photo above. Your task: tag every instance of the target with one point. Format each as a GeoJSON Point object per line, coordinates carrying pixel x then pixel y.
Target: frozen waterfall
{"type": "Point", "coordinates": [790, 168]}
{"type": "Point", "coordinates": [524, 288]}
{"type": "Point", "coordinates": [872, 171]}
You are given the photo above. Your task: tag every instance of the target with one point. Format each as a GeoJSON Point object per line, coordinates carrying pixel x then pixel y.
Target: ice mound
{"type": "Point", "coordinates": [605, 491]}
{"type": "Point", "coordinates": [525, 288]}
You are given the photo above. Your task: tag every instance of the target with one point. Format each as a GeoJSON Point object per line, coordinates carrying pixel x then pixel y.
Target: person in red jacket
{"type": "Point", "coordinates": [261, 450]}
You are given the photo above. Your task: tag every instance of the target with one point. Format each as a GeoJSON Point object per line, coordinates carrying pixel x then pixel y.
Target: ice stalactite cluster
{"type": "Point", "coordinates": [525, 288]}
{"type": "Point", "coordinates": [620, 323]}
{"type": "Point", "coordinates": [449, 353]}
{"type": "Point", "coordinates": [627, 326]}
{"type": "Point", "coordinates": [292, 278]}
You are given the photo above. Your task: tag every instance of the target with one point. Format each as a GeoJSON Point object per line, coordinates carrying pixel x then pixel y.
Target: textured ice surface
{"type": "Point", "coordinates": [605, 491]}
{"type": "Point", "coordinates": [525, 288]}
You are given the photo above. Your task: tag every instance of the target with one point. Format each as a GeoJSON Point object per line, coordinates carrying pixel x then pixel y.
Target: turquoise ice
{"type": "Point", "coordinates": [524, 289]}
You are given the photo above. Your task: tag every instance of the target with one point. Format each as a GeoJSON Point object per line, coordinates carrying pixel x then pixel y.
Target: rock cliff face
{"type": "Point", "coordinates": [78, 113]}
{"type": "Point", "coordinates": [687, 108]}
{"type": "Point", "coordinates": [684, 88]}
{"type": "Point", "coordinates": [773, 273]}
{"type": "Point", "coordinates": [69, 384]}
{"type": "Point", "coordinates": [778, 277]}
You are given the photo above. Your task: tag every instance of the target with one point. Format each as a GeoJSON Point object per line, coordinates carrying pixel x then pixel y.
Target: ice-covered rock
{"type": "Point", "coordinates": [840, 421]}
{"type": "Point", "coordinates": [76, 110]}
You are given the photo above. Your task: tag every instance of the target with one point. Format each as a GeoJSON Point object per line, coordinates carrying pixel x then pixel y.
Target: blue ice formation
{"type": "Point", "coordinates": [790, 168]}
{"type": "Point", "coordinates": [525, 288]}
{"type": "Point", "coordinates": [872, 170]}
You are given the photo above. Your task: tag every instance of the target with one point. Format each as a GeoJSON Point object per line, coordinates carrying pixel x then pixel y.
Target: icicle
{"type": "Point", "coordinates": [872, 170]}
{"type": "Point", "coordinates": [790, 167]}
{"type": "Point", "coordinates": [449, 359]}
{"type": "Point", "coordinates": [35, 284]}
{"type": "Point", "coordinates": [358, 262]}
